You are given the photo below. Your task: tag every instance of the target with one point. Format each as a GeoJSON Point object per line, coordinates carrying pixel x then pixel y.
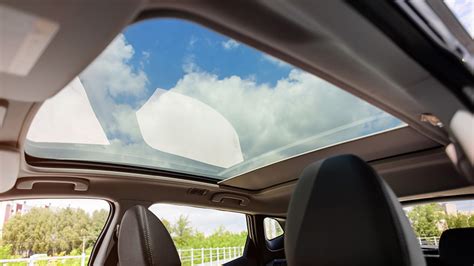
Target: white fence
{"type": "Point", "coordinates": [192, 256]}
{"type": "Point", "coordinates": [209, 256]}
{"type": "Point", "coordinates": [428, 241]}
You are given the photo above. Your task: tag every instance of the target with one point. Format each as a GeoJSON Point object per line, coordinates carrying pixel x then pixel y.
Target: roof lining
{"type": "Point", "coordinates": [413, 40]}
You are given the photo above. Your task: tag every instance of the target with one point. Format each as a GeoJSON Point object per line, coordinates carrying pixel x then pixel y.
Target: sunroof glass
{"type": "Point", "coordinates": [169, 94]}
{"type": "Point", "coordinates": [464, 12]}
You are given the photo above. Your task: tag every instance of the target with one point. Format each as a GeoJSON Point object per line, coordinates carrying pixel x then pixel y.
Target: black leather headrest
{"type": "Point", "coordinates": [456, 247]}
{"type": "Point", "coordinates": [343, 213]}
{"type": "Point", "coordinates": [144, 240]}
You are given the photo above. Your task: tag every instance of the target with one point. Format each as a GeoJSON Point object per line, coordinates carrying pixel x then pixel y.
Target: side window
{"type": "Point", "coordinates": [272, 228]}
{"type": "Point", "coordinates": [431, 219]}
{"type": "Point", "coordinates": [50, 231]}
{"type": "Point", "coordinates": [204, 235]}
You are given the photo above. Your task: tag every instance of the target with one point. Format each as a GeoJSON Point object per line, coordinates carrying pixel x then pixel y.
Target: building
{"type": "Point", "coordinates": [450, 208]}
{"type": "Point", "coordinates": [9, 208]}
{"type": "Point", "coordinates": [465, 207]}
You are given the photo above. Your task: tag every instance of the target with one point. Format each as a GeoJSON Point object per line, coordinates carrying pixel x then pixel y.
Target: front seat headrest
{"type": "Point", "coordinates": [343, 213]}
{"type": "Point", "coordinates": [456, 246]}
{"type": "Point", "coordinates": [144, 240]}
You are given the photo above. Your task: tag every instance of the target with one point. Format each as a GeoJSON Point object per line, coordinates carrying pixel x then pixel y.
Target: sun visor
{"type": "Point", "coordinates": [24, 39]}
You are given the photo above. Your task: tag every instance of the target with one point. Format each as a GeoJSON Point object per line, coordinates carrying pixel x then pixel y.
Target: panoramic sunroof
{"type": "Point", "coordinates": [172, 95]}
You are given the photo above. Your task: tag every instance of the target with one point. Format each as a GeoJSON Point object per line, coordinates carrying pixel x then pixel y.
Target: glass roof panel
{"type": "Point", "coordinates": [172, 95]}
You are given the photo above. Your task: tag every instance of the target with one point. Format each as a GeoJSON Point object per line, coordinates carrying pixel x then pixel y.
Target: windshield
{"type": "Point", "coordinates": [169, 94]}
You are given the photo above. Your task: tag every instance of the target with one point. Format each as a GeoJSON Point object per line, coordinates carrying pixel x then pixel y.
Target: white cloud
{"type": "Point", "coordinates": [145, 58]}
{"type": "Point", "coordinates": [275, 61]}
{"type": "Point", "coordinates": [230, 44]}
{"type": "Point", "coordinates": [192, 42]}
{"type": "Point", "coordinates": [111, 76]}
{"type": "Point", "coordinates": [267, 118]}
{"type": "Point", "coordinates": [189, 64]}
{"type": "Point", "coordinates": [112, 71]}
{"type": "Point", "coordinates": [146, 55]}
{"type": "Point", "coordinates": [124, 122]}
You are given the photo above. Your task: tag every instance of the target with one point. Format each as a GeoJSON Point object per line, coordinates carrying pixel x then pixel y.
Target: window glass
{"type": "Point", "coordinates": [169, 94]}
{"type": "Point", "coordinates": [272, 228]}
{"type": "Point", "coordinates": [203, 235]}
{"type": "Point", "coordinates": [50, 231]}
{"type": "Point", "coordinates": [464, 12]}
{"type": "Point", "coordinates": [431, 219]}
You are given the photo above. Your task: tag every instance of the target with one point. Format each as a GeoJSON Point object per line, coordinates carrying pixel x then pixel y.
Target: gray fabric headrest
{"type": "Point", "coordinates": [456, 247]}
{"type": "Point", "coordinates": [144, 240]}
{"type": "Point", "coordinates": [342, 213]}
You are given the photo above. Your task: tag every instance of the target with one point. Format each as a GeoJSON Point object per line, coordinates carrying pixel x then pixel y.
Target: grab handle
{"type": "Point", "coordinates": [79, 185]}
{"type": "Point", "coordinates": [243, 201]}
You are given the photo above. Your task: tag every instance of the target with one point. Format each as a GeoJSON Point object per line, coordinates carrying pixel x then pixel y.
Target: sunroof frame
{"type": "Point", "coordinates": [92, 165]}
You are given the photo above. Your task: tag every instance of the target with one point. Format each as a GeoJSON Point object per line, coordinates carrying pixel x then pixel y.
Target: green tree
{"type": "Point", "coordinates": [471, 220]}
{"type": "Point", "coordinates": [5, 251]}
{"type": "Point", "coordinates": [29, 232]}
{"type": "Point", "coordinates": [62, 232]}
{"type": "Point", "coordinates": [458, 220]}
{"type": "Point", "coordinates": [182, 228]}
{"type": "Point", "coordinates": [426, 219]}
{"type": "Point", "coordinates": [182, 231]}
{"type": "Point", "coordinates": [53, 231]}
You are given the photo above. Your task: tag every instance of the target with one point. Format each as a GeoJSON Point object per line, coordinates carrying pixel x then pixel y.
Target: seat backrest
{"type": "Point", "coordinates": [144, 240]}
{"type": "Point", "coordinates": [343, 213]}
{"type": "Point", "coordinates": [456, 247]}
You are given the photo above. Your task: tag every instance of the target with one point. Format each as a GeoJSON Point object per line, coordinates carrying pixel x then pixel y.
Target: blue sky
{"type": "Point", "coordinates": [166, 48]}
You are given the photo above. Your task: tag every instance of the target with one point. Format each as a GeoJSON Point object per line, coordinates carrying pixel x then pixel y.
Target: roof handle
{"type": "Point", "coordinates": [79, 184]}
{"type": "Point", "coordinates": [220, 197]}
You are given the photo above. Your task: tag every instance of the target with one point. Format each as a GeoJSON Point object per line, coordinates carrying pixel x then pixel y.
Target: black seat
{"type": "Point", "coordinates": [144, 240]}
{"type": "Point", "coordinates": [456, 247]}
{"type": "Point", "coordinates": [343, 213]}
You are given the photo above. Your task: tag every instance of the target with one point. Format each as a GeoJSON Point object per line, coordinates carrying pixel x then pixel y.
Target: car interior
{"type": "Point", "coordinates": [331, 118]}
